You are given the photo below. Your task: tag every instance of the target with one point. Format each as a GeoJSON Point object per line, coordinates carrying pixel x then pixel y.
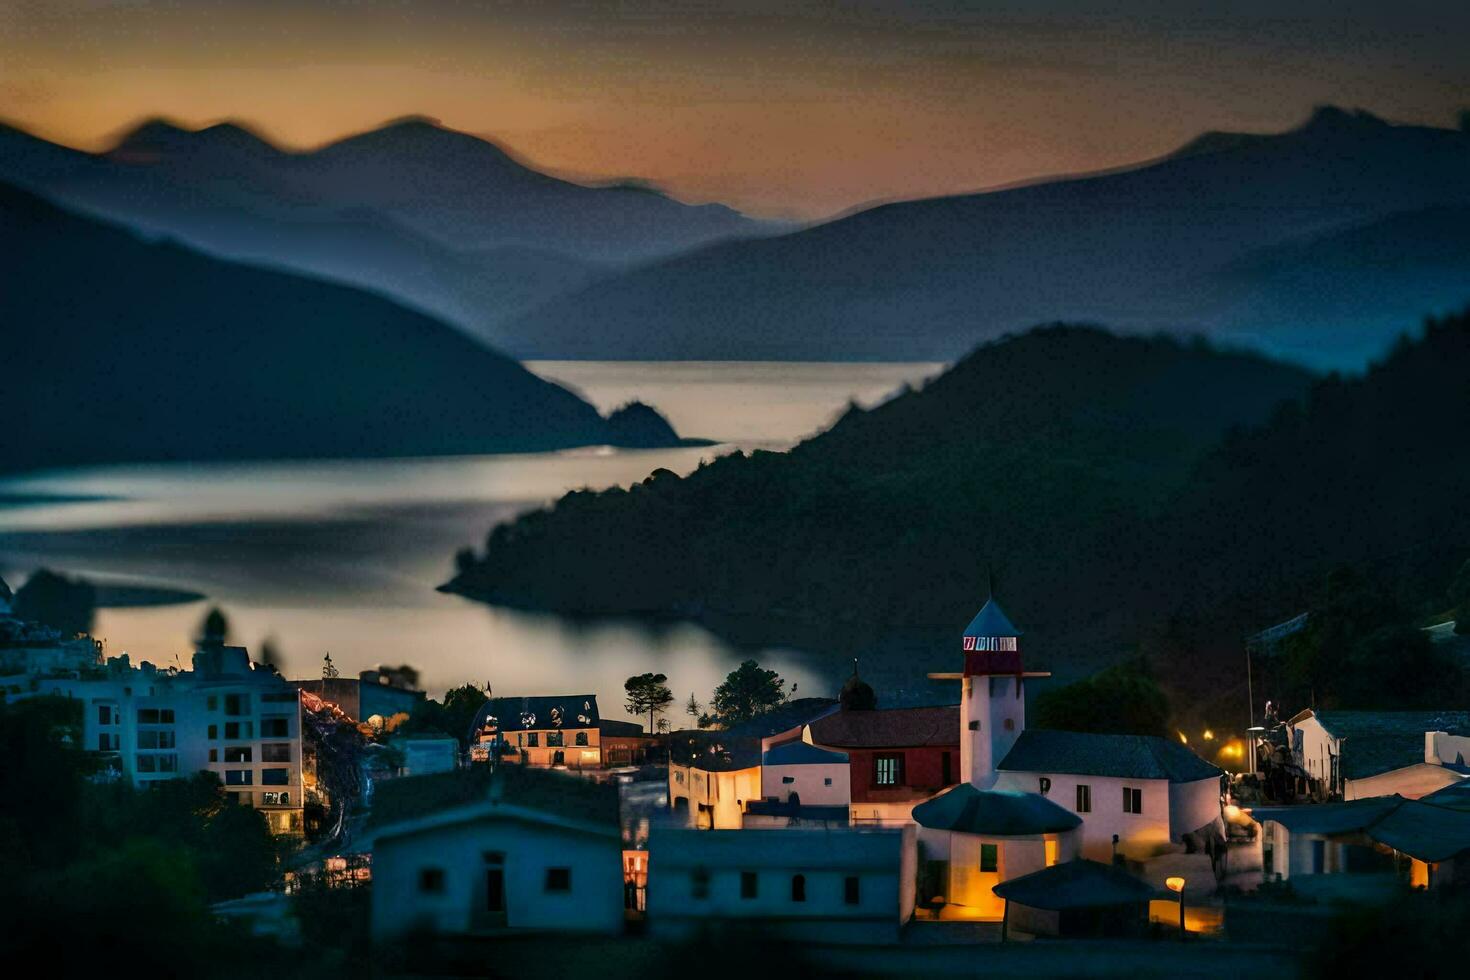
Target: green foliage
{"type": "Point", "coordinates": [746, 692]}
{"type": "Point", "coordinates": [214, 628]}
{"type": "Point", "coordinates": [1362, 649]}
{"type": "Point", "coordinates": [650, 693]}
{"type": "Point", "coordinates": [1123, 699]}
{"type": "Point", "coordinates": [65, 604]}
{"type": "Point", "coordinates": [453, 716]}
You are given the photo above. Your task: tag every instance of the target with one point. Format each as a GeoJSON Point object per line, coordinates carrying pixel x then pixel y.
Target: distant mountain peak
{"type": "Point", "coordinates": [158, 136]}
{"type": "Point", "coordinates": [1336, 118]}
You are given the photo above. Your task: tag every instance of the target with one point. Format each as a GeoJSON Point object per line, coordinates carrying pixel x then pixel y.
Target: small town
{"type": "Point", "coordinates": [890, 838]}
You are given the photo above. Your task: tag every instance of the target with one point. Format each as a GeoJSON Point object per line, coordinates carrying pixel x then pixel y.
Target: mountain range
{"type": "Point", "coordinates": [1313, 244]}
{"type": "Point", "coordinates": [441, 220]}
{"type": "Point", "coordinates": [120, 349]}
{"type": "Point", "coordinates": [1248, 238]}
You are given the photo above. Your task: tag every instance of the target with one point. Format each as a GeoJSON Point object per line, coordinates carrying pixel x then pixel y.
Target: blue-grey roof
{"type": "Point", "coordinates": [1380, 741]}
{"type": "Point", "coordinates": [1091, 754]}
{"type": "Point", "coordinates": [991, 621]}
{"type": "Point", "coordinates": [1328, 818]}
{"type": "Point", "coordinates": [993, 812]}
{"type": "Point", "coordinates": [1078, 884]}
{"type": "Point", "coordinates": [1456, 796]}
{"type": "Point", "coordinates": [1422, 829]}
{"type": "Point", "coordinates": [801, 753]}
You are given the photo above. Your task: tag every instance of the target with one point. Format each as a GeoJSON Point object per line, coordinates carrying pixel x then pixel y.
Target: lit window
{"type": "Point", "coordinates": [888, 770]}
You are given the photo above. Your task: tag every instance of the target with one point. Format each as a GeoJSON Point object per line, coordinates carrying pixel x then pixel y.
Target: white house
{"type": "Point", "coordinates": [482, 850]}
{"type": "Point", "coordinates": [814, 776]}
{"type": "Point", "coordinates": [838, 886]}
{"type": "Point", "coordinates": [1361, 754]}
{"type": "Point", "coordinates": [1148, 791]}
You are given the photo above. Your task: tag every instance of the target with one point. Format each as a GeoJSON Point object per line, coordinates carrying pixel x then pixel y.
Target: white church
{"type": "Point", "coordinates": [1030, 800]}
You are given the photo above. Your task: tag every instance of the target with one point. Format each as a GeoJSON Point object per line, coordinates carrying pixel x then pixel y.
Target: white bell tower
{"type": "Point", "coordinates": [992, 694]}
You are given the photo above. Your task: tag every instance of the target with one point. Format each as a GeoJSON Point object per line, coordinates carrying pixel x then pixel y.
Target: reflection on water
{"type": "Point", "coordinates": [343, 556]}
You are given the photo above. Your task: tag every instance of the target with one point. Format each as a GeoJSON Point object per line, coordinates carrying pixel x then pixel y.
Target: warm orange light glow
{"type": "Point", "coordinates": [1184, 738]}
{"type": "Point", "coordinates": [1174, 883]}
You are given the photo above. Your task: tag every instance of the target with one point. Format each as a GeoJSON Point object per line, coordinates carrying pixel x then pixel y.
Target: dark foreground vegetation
{"type": "Point", "coordinates": [1127, 494]}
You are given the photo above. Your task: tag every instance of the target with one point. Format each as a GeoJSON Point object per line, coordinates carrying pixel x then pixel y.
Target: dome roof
{"type": "Point", "coordinates": [994, 813]}
{"type": "Point", "coordinates": [857, 695]}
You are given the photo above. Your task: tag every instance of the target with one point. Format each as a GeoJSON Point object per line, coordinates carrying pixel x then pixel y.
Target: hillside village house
{"type": "Point", "coordinates": [225, 716]}
{"type": "Point", "coordinates": [898, 757]}
{"type": "Point", "coordinates": [839, 886]}
{"type": "Point", "coordinates": [548, 731]}
{"type": "Point", "coordinates": [1354, 755]}
{"type": "Point", "coordinates": [801, 786]}
{"type": "Point", "coordinates": [484, 850]}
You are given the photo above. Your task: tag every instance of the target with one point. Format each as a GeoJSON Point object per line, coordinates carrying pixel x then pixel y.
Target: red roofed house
{"type": "Point", "coordinates": [897, 756]}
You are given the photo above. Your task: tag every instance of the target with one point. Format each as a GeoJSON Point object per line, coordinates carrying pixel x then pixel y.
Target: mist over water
{"type": "Point", "coordinates": [342, 556]}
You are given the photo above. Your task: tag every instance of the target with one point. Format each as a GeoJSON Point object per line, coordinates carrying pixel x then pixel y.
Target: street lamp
{"type": "Point", "coordinates": [1176, 884]}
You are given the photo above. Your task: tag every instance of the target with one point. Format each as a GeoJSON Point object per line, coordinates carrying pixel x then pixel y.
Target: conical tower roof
{"type": "Point", "coordinates": [991, 620]}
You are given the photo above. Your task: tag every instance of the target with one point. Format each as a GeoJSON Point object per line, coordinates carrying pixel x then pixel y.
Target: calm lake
{"type": "Point", "coordinates": [343, 556]}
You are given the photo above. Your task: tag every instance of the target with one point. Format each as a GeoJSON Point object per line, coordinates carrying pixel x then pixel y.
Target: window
{"type": "Point", "coordinates": [1132, 800]}
{"type": "Point", "coordinates": [104, 714]}
{"type": "Point", "coordinates": [1052, 851]}
{"type": "Point", "coordinates": [558, 879]}
{"type": "Point", "coordinates": [1044, 785]}
{"type": "Point", "coordinates": [852, 893]}
{"type": "Point", "coordinates": [555, 740]}
{"type": "Point", "coordinates": [214, 755]}
{"type": "Point", "coordinates": [788, 779]}
{"type": "Point", "coordinates": [748, 884]}
{"type": "Point", "coordinates": [212, 703]}
{"type": "Point", "coordinates": [827, 781]}
{"type": "Point", "coordinates": [275, 777]}
{"type": "Point", "coordinates": [277, 752]}
{"type": "Point", "coordinates": [214, 731]}
{"type": "Point", "coordinates": [277, 798]}
{"type": "Point", "coordinates": [238, 753]}
{"type": "Point", "coordinates": [155, 740]}
{"type": "Point", "coordinates": [239, 729]}
{"type": "Point", "coordinates": [275, 728]}
{"type": "Point", "coordinates": [107, 741]}
{"type": "Point", "coordinates": [145, 763]}
{"type": "Point", "coordinates": [155, 716]}
{"type": "Point", "coordinates": [239, 777]}
{"type": "Point", "coordinates": [581, 738]}
{"type": "Point", "coordinates": [237, 704]}
{"type": "Point", "coordinates": [888, 770]}
{"type": "Point", "coordinates": [798, 888]}
{"type": "Point", "coordinates": [946, 771]}
{"type": "Point", "coordinates": [699, 883]}
{"type": "Point", "coordinates": [533, 740]}
{"type": "Point", "coordinates": [1084, 798]}
{"type": "Point", "coordinates": [989, 857]}
{"type": "Point", "coordinates": [1010, 724]}
{"type": "Point", "coordinates": [168, 763]}
{"type": "Point", "coordinates": [431, 881]}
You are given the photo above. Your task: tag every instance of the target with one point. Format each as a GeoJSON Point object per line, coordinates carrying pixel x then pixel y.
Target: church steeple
{"type": "Point", "coordinates": [992, 643]}
{"type": "Point", "coordinates": [992, 697]}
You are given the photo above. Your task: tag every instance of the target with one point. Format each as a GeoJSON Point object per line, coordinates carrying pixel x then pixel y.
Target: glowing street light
{"type": "Point", "coordinates": [1176, 884]}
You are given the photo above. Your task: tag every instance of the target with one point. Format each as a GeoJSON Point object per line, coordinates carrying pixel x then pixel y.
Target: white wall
{"type": "Point", "coordinates": [1194, 805]}
{"type": "Point", "coordinates": [1441, 747]}
{"type": "Point", "coordinates": [1141, 835]}
{"type": "Point", "coordinates": [725, 793]}
{"type": "Point", "coordinates": [593, 904]}
{"type": "Point", "coordinates": [1318, 749]}
{"type": "Point", "coordinates": [817, 784]}
{"type": "Point", "coordinates": [1410, 782]}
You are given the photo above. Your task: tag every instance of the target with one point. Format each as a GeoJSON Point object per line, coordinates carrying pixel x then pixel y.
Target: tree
{"type": "Point", "coordinates": [214, 628]}
{"type": "Point", "coordinates": [269, 655]}
{"type": "Point", "coordinates": [692, 707]}
{"type": "Point", "coordinates": [1122, 700]}
{"type": "Point", "coordinates": [461, 705]}
{"type": "Point", "coordinates": [748, 691]}
{"type": "Point", "coordinates": [647, 693]}
{"type": "Point", "coordinates": [64, 604]}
